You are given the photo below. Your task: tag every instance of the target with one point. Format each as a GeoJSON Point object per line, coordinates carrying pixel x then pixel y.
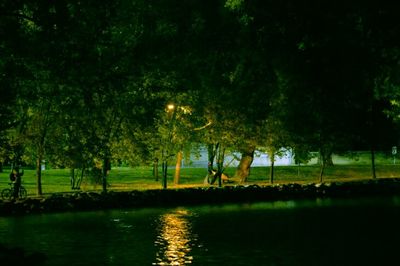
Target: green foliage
{"type": "Point", "coordinates": [234, 4]}
{"type": "Point", "coordinates": [86, 82]}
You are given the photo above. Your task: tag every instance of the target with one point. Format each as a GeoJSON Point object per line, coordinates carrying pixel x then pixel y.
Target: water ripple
{"type": "Point", "coordinates": [175, 239]}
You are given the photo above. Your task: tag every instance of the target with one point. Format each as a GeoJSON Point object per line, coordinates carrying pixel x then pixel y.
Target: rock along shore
{"type": "Point", "coordinates": [83, 201]}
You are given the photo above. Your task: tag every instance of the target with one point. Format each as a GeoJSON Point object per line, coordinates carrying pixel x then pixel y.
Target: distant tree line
{"type": "Point", "coordinates": [84, 84]}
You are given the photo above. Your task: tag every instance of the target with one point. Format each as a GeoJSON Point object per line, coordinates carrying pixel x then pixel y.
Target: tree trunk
{"type": "Point", "coordinates": [79, 182]}
{"type": "Point", "coordinates": [220, 164]}
{"type": "Point", "coordinates": [39, 176]}
{"type": "Point", "coordinates": [373, 163]}
{"type": "Point", "coordinates": [211, 156]}
{"type": "Point", "coordinates": [323, 164]}
{"type": "Point", "coordinates": [329, 160]}
{"type": "Point", "coordinates": [72, 176]}
{"type": "Point", "coordinates": [326, 160]}
{"type": "Point", "coordinates": [164, 174]}
{"type": "Point", "coordinates": [1, 167]}
{"type": "Point", "coordinates": [155, 169]}
{"type": "Point", "coordinates": [177, 176]}
{"type": "Point", "coordinates": [271, 173]}
{"type": "Point", "coordinates": [321, 173]}
{"type": "Point", "coordinates": [76, 179]}
{"type": "Point", "coordinates": [243, 169]}
{"type": "Point", "coordinates": [106, 169]}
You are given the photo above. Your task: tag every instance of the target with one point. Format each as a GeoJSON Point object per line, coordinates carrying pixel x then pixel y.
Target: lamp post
{"type": "Point", "coordinates": [165, 151]}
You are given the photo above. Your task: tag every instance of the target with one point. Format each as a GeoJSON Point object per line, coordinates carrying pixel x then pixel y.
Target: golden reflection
{"type": "Point", "coordinates": [175, 239]}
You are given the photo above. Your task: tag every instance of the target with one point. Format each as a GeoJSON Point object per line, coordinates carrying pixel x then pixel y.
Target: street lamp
{"type": "Point", "coordinates": [170, 107]}
{"type": "Point", "coordinates": [168, 141]}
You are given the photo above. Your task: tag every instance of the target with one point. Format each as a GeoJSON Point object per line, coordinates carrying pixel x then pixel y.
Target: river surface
{"type": "Point", "coordinates": [317, 232]}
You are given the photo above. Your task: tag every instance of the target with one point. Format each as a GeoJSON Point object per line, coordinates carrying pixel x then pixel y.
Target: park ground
{"type": "Point", "coordinates": [141, 178]}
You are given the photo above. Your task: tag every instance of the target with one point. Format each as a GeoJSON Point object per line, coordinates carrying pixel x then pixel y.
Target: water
{"type": "Point", "coordinates": [319, 232]}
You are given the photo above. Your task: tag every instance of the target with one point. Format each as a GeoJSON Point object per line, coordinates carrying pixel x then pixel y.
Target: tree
{"type": "Point", "coordinates": [329, 58]}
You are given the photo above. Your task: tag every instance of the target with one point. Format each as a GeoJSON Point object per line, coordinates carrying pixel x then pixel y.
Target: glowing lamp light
{"type": "Point", "coordinates": [170, 107]}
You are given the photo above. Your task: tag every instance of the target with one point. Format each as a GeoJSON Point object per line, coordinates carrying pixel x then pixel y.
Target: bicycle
{"type": "Point", "coordinates": [8, 193]}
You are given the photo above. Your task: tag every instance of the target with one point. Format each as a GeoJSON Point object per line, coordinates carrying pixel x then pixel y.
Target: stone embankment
{"type": "Point", "coordinates": [82, 201]}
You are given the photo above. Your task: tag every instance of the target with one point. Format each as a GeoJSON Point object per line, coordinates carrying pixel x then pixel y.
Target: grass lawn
{"type": "Point", "coordinates": [141, 178]}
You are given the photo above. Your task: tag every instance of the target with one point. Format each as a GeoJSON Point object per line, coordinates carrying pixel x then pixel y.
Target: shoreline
{"type": "Point", "coordinates": [91, 201]}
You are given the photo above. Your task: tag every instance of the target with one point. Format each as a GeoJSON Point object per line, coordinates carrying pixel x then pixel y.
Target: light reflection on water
{"type": "Point", "coordinates": [175, 238]}
{"type": "Point", "coordinates": [327, 232]}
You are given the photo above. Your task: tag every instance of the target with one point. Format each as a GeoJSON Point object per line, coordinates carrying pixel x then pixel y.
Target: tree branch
{"type": "Point", "coordinates": [19, 15]}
